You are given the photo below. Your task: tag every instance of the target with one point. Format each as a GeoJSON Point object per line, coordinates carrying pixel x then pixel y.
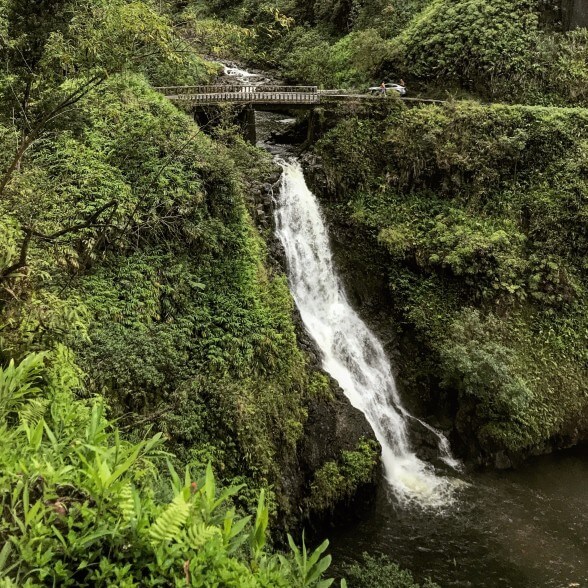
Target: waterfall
{"type": "Point", "coordinates": [352, 354]}
{"type": "Point", "coordinates": [240, 74]}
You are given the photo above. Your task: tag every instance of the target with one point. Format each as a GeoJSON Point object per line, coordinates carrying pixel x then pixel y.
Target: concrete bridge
{"type": "Point", "coordinates": [267, 98]}
{"type": "Point", "coordinates": [262, 97]}
{"type": "Point", "coordinates": [290, 97]}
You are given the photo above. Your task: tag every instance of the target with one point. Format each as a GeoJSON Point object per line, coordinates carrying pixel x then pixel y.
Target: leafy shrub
{"type": "Point", "coordinates": [337, 481]}
{"type": "Point", "coordinates": [380, 572]}
{"type": "Point", "coordinates": [471, 41]}
{"type": "Point", "coordinates": [486, 257]}
{"type": "Point", "coordinates": [388, 17]}
{"type": "Point", "coordinates": [564, 71]}
{"type": "Point", "coordinates": [306, 56]}
{"type": "Point", "coordinates": [79, 506]}
{"type": "Point", "coordinates": [484, 369]}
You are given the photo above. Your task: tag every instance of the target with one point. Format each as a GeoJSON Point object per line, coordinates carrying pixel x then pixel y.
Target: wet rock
{"type": "Point", "coordinates": [424, 442]}
{"type": "Point", "coordinates": [502, 461]}
{"type": "Point", "coordinates": [333, 426]}
{"type": "Point", "coordinates": [294, 133]}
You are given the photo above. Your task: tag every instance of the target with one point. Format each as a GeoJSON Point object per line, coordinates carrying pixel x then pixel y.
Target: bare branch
{"type": "Point", "coordinates": [85, 225]}
{"type": "Point", "coordinates": [30, 233]}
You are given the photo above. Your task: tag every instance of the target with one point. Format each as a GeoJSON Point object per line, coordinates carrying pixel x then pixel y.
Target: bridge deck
{"type": "Point", "coordinates": [268, 96]}
{"type": "Point", "coordinates": [245, 94]}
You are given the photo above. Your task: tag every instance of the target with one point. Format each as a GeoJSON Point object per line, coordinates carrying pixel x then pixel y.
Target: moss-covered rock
{"type": "Point", "coordinates": [337, 481]}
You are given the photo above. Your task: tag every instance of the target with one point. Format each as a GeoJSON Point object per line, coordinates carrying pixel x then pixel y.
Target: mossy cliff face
{"type": "Point", "coordinates": [475, 218]}
{"type": "Point", "coordinates": [175, 310]}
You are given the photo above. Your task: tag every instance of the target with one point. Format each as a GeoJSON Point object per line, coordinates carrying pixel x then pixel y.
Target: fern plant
{"type": "Point", "coordinates": [78, 506]}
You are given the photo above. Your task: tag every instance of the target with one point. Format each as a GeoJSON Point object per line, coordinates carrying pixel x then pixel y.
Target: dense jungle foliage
{"type": "Point", "coordinates": [83, 507]}
{"type": "Point", "coordinates": [379, 572]}
{"type": "Point", "coordinates": [145, 329]}
{"type": "Point", "coordinates": [481, 227]}
{"type": "Point", "coordinates": [477, 212]}
{"type": "Point", "coordinates": [137, 299]}
{"type": "Point", "coordinates": [508, 50]}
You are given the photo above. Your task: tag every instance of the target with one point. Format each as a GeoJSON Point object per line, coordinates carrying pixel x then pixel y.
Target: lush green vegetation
{"type": "Point", "coordinates": [83, 507]}
{"type": "Point", "coordinates": [335, 481]}
{"type": "Point", "coordinates": [137, 298]}
{"type": "Point", "coordinates": [478, 211]}
{"type": "Point", "coordinates": [498, 50]}
{"type": "Point", "coordinates": [507, 50]}
{"type": "Point", "coordinates": [481, 223]}
{"type": "Point", "coordinates": [138, 301]}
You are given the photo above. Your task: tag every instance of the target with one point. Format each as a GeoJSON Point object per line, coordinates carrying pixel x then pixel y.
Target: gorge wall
{"type": "Point", "coordinates": [478, 251]}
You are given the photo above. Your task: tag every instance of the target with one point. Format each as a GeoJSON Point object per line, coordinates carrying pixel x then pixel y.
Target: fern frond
{"type": "Point", "coordinates": [200, 533]}
{"type": "Point", "coordinates": [170, 522]}
{"type": "Point", "coordinates": [126, 503]}
{"type": "Point", "coordinates": [33, 411]}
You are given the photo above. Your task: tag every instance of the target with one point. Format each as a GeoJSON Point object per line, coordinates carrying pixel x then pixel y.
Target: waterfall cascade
{"type": "Point", "coordinates": [352, 354]}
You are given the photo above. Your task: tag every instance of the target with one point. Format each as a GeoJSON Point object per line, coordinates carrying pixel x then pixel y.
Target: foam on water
{"type": "Point", "coordinates": [235, 72]}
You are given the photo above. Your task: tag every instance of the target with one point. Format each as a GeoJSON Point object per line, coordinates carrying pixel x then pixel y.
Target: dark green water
{"type": "Point", "coordinates": [523, 528]}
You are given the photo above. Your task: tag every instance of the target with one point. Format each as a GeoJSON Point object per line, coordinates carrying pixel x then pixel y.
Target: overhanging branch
{"type": "Point", "coordinates": [30, 233]}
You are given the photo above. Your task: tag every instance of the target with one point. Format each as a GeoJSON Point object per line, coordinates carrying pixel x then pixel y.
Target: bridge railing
{"type": "Point", "coordinates": [238, 93]}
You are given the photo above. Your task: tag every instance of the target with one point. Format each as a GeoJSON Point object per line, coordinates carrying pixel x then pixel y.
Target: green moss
{"type": "Point", "coordinates": [338, 481]}
{"type": "Point", "coordinates": [320, 386]}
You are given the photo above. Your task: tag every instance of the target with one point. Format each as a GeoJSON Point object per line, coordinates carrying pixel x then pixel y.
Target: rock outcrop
{"type": "Point", "coordinates": [575, 14]}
